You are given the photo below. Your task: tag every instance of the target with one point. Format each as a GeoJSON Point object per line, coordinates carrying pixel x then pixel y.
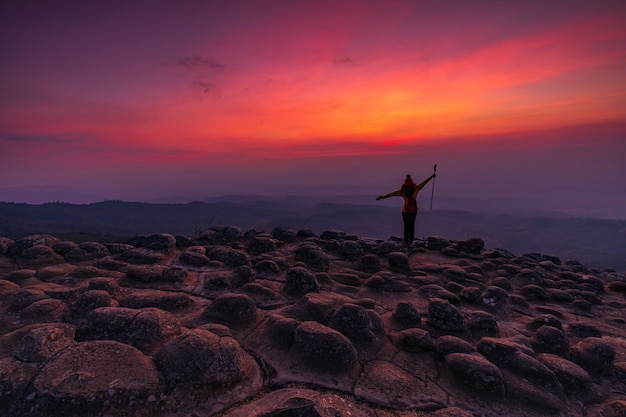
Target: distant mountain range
{"type": "Point", "coordinates": [594, 242]}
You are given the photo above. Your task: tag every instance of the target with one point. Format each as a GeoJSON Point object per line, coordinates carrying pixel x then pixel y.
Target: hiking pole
{"type": "Point", "coordinates": [432, 193]}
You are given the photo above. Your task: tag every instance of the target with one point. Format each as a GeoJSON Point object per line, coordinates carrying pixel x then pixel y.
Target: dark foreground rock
{"type": "Point", "coordinates": [290, 324]}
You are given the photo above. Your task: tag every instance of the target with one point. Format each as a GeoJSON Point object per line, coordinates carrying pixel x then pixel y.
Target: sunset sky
{"type": "Point", "coordinates": [138, 100]}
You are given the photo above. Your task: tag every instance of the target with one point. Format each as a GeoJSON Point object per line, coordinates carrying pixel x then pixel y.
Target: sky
{"type": "Point", "coordinates": [142, 100]}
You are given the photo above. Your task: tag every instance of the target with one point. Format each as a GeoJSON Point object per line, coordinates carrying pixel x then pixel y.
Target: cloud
{"type": "Point", "coordinates": [199, 62]}
{"type": "Point", "coordinates": [343, 61]}
{"type": "Point", "coordinates": [15, 138]}
{"type": "Point", "coordinates": [205, 86]}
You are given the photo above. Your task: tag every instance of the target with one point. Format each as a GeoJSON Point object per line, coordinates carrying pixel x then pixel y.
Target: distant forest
{"type": "Point", "coordinates": [594, 242]}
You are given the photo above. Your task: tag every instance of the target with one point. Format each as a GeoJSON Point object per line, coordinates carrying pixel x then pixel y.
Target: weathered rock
{"type": "Point", "coordinates": [595, 355]}
{"type": "Point", "coordinates": [89, 301]}
{"type": "Point", "coordinates": [416, 340]}
{"type": "Point", "coordinates": [234, 309]}
{"type": "Point", "coordinates": [204, 360]}
{"type": "Point", "coordinates": [615, 408]}
{"type": "Point", "coordinates": [385, 282]}
{"type": "Point", "coordinates": [353, 321]}
{"type": "Point", "coordinates": [499, 351]}
{"type": "Point", "coordinates": [237, 258]}
{"type": "Point", "coordinates": [448, 344]}
{"type": "Point", "coordinates": [109, 285]}
{"type": "Point", "coordinates": [242, 275]}
{"type": "Point", "coordinates": [370, 263]}
{"type": "Point", "coordinates": [548, 339]}
{"type": "Point", "coordinates": [46, 310]}
{"type": "Point", "coordinates": [385, 384]}
{"type": "Point", "coordinates": [407, 314]}
{"type": "Point", "coordinates": [472, 246]}
{"type": "Point", "coordinates": [443, 315]}
{"type": "Point", "coordinates": [437, 291]}
{"type": "Point", "coordinates": [533, 371]}
{"type": "Point", "coordinates": [347, 279]}
{"type": "Point", "coordinates": [361, 333]}
{"type": "Point", "coordinates": [157, 241]}
{"type": "Point", "coordinates": [476, 372]}
{"type": "Point", "coordinates": [22, 298]}
{"type": "Point", "coordinates": [300, 281]}
{"type": "Point", "coordinates": [145, 329]}
{"type": "Point", "coordinates": [86, 251]}
{"type": "Point", "coordinates": [15, 378]}
{"type": "Point", "coordinates": [39, 255]}
{"type": "Point", "coordinates": [482, 323]}
{"type": "Point", "coordinates": [324, 348]}
{"type": "Point", "coordinates": [164, 300]}
{"type": "Point", "coordinates": [573, 378]}
{"type": "Point", "coordinates": [293, 407]}
{"type": "Point", "coordinates": [437, 243]}
{"type": "Point", "coordinates": [195, 256]}
{"type": "Point", "coordinates": [398, 262]}
{"type": "Point", "coordinates": [41, 343]}
{"type": "Point", "coordinates": [451, 412]}
{"type": "Point", "coordinates": [280, 330]}
{"type": "Point", "coordinates": [313, 257]}
{"type": "Point", "coordinates": [285, 234]}
{"type": "Point", "coordinates": [24, 243]}
{"type": "Point", "coordinates": [5, 245]}
{"type": "Point", "coordinates": [545, 320]}
{"type": "Point", "coordinates": [94, 376]}
{"type": "Point", "coordinates": [222, 234]}
{"type": "Point", "coordinates": [142, 256]}
{"type": "Point", "coordinates": [494, 296]}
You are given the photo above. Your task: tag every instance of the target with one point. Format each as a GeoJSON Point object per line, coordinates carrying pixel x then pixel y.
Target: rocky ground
{"type": "Point", "coordinates": [291, 324]}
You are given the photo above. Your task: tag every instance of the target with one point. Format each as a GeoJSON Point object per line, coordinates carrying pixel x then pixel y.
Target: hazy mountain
{"type": "Point", "coordinates": [594, 242]}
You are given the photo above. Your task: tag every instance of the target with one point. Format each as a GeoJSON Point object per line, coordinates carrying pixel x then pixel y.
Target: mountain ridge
{"type": "Point", "coordinates": [596, 242]}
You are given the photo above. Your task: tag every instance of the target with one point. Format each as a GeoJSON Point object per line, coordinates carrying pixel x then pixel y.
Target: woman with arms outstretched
{"type": "Point", "coordinates": [408, 192]}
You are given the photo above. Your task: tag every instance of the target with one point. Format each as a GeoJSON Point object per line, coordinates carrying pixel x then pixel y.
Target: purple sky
{"type": "Point", "coordinates": [148, 99]}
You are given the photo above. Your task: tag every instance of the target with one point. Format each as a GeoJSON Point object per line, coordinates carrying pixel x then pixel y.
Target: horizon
{"type": "Point", "coordinates": [148, 101]}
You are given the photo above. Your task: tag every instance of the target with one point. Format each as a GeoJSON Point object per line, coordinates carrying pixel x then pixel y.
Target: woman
{"type": "Point", "coordinates": [408, 192]}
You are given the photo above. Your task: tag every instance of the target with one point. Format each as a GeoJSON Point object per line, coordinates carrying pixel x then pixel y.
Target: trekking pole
{"type": "Point", "coordinates": [432, 193]}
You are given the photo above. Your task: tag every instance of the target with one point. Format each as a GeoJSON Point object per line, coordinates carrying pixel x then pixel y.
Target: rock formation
{"type": "Point", "coordinates": [291, 324]}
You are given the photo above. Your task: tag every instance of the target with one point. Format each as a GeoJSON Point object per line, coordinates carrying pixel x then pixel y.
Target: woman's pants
{"type": "Point", "coordinates": [409, 226]}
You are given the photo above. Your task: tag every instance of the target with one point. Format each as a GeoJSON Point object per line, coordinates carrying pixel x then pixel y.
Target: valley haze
{"type": "Point", "coordinates": [517, 226]}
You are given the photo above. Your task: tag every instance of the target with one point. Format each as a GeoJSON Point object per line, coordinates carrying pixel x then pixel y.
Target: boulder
{"type": "Point", "coordinates": [24, 243]}
{"type": "Point", "coordinates": [353, 321]}
{"type": "Point", "coordinates": [448, 344]}
{"type": "Point", "coordinates": [39, 255]}
{"type": "Point", "coordinates": [398, 262]}
{"type": "Point", "coordinates": [477, 372]}
{"type": "Point", "coordinates": [416, 340]}
{"type": "Point", "coordinates": [494, 296]}
{"type": "Point", "coordinates": [572, 377]}
{"type": "Point", "coordinates": [548, 339]}
{"type": "Point", "coordinates": [300, 281]}
{"type": "Point", "coordinates": [233, 309]}
{"type": "Point", "coordinates": [443, 315]}
{"type": "Point", "coordinates": [146, 329]}
{"type": "Point", "coordinates": [323, 348]}
{"type": "Point", "coordinates": [314, 257]}
{"type": "Point", "coordinates": [369, 263]}
{"type": "Point", "coordinates": [482, 323]}
{"type": "Point", "coordinates": [407, 314]}
{"type": "Point", "coordinates": [157, 241]}
{"type": "Point", "coordinates": [595, 355]}
{"type": "Point", "coordinates": [94, 376]}
{"type": "Point", "coordinates": [204, 360]}
{"type": "Point", "coordinates": [499, 351]}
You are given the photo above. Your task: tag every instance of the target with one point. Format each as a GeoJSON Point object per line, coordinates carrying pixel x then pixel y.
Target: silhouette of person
{"type": "Point", "coordinates": [408, 192]}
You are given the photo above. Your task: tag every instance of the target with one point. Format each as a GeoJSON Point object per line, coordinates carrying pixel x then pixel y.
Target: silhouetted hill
{"type": "Point", "coordinates": [594, 242]}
